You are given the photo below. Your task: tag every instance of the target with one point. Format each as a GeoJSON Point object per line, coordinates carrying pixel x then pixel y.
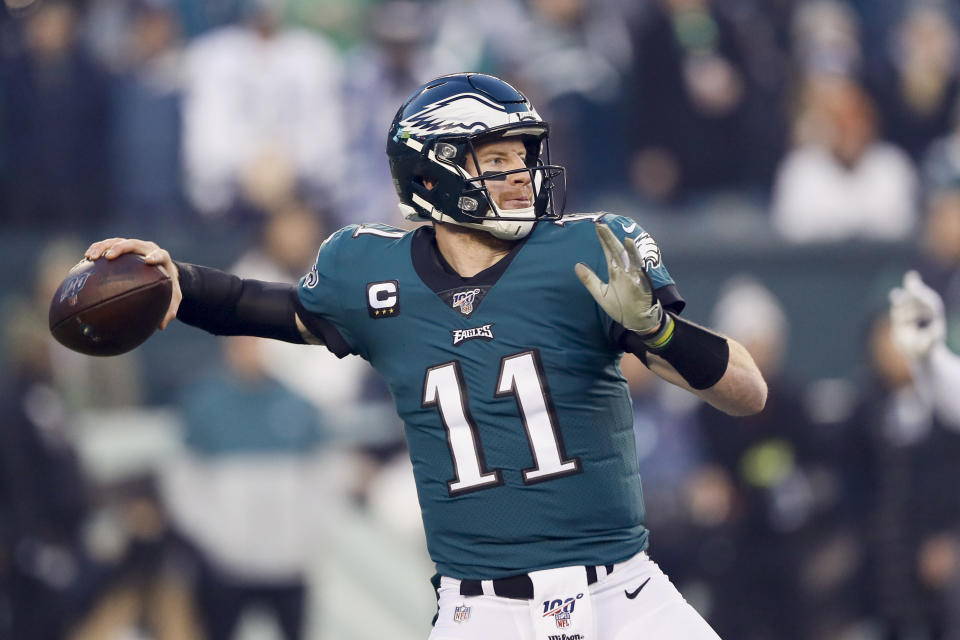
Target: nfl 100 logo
{"type": "Point", "coordinates": [461, 613]}
{"type": "Point", "coordinates": [561, 610]}
{"type": "Point", "coordinates": [464, 300]}
{"type": "Point", "coordinates": [72, 288]}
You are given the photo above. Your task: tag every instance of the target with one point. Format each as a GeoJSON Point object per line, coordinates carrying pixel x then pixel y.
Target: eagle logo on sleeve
{"type": "Point", "coordinates": [649, 250]}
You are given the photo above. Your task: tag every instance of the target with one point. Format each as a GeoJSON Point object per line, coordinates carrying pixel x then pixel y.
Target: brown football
{"type": "Point", "coordinates": [107, 307]}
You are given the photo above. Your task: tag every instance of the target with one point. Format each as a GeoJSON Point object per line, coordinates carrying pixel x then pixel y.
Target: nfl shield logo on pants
{"type": "Point", "coordinates": [461, 613]}
{"type": "Point", "coordinates": [563, 619]}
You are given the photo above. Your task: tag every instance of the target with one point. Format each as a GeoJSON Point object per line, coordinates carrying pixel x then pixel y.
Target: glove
{"type": "Point", "coordinates": [628, 297]}
{"type": "Point", "coordinates": [917, 319]}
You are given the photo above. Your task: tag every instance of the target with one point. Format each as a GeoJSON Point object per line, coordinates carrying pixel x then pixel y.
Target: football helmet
{"type": "Point", "coordinates": [440, 125]}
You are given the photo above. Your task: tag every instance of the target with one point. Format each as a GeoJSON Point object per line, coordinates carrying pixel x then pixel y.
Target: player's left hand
{"type": "Point", "coordinates": [917, 318]}
{"type": "Point", "coordinates": [628, 296]}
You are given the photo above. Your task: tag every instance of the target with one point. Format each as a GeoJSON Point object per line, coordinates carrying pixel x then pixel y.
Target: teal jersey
{"type": "Point", "coordinates": [517, 417]}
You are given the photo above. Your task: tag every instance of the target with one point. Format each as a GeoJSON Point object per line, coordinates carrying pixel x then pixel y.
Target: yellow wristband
{"type": "Point", "coordinates": [662, 337]}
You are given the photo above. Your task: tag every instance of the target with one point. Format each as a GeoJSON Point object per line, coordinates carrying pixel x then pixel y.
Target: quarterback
{"type": "Point", "coordinates": [499, 329]}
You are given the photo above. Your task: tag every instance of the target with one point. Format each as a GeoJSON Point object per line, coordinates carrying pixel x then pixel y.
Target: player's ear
{"type": "Point", "coordinates": [428, 183]}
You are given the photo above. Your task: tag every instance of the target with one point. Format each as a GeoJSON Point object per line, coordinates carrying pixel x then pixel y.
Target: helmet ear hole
{"type": "Point", "coordinates": [426, 182]}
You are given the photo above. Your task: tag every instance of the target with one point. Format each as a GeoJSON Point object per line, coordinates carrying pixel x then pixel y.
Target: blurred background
{"type": "Point", "coordinates": [792, 157]}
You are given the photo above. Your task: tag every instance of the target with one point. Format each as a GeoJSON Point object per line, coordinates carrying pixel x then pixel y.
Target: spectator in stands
{"type": "Point", "coordinates": [826, 39]}
{"type": "Point", "coordinates": [900, 463]}
{"type": "Point", "coordinates": [245, 494]}
{"type": "Point", "coordinates": [687, 90]}
{"type": "Point", "coordinates": [381, 72]}
{"type": "Point", "coordinates": [575, 71]}
{"type": "Point", "coordinates": [939, 260]}
{"type": "Point", "coordinates": [55, 119]}
{"type": "Point", "coordinates": [284, 253]}
{"type": "Point", "coordinates": [477, 34]}
{"type": "Point", "coordinates": [148, 592]}
{"type": "Point", "coordinates": [778, 471]}
{"type": "Point", "coordinates": [42, 502]}
{"type": "Point", "coordinates": [842, 181]}
{"type": "Point", "coordinates": [147, 171]}
{"type": "Point", "coordinates": [918, 84]}
{"type": "Point", "coordinates": [762, 31]}
{"type": "Point", "coordinates": [262, 114]}
{"type": "Point", "coordinates": [49, 577]}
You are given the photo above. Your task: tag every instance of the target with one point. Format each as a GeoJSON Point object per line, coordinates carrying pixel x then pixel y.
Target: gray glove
{"type": "Point", "coordinates": [628, 297]}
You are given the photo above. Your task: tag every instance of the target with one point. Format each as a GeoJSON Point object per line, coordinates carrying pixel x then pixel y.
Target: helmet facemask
{"type": "Point", "coordinates": [476, 206]}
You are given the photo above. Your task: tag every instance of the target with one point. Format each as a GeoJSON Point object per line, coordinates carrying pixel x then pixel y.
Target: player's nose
{"type": "Point", "coordinates": [521, 178]}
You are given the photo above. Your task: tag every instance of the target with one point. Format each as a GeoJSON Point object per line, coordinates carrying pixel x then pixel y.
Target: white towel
{"type": "Point", "coordinates": [561, 608]}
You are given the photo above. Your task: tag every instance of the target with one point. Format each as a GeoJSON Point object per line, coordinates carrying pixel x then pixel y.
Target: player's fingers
{"type": "Point", "coordinates": [590, 280]}
{"type": "Point", "coordinates": [633, 254]}
{"type": "Point", "coordinates": [611, 247]}
{"type": "Point", "coordinates": [637, 268]}
{"type": "Point", "coordinates": [159, 256]}
{"type": "Point", "coordinates": [97, 249]}
{"type": "Point", "coordinates": [175, 298]}
{"type": "Point", "coordinates": [130, 245]}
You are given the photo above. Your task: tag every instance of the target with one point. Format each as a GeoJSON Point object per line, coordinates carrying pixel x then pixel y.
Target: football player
{"type": "Point", "coordinates": [499, 329]}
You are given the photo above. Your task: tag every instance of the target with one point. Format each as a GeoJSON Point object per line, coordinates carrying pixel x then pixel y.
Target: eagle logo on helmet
{"type": "Point", "coordinates": [462, 113]}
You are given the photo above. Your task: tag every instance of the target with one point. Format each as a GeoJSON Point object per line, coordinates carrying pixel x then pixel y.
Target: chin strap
{"type": "Point", "coordinates": [503, 227]}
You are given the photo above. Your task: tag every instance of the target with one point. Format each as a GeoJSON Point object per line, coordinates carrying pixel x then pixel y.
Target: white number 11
{"type": "Point", "coordinates": [521, 375]}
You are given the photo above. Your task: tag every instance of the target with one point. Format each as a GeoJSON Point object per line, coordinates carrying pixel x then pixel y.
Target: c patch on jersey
{"type": "Point", "coordinates": [383, 299]}
{"type": "Point", "coordinates": [462, 335]}
{"type": "Point", "coordinates": [648, 249]}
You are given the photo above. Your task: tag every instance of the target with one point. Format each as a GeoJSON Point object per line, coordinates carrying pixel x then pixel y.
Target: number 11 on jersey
{"type": "Point", "coordinates": [521, 375]}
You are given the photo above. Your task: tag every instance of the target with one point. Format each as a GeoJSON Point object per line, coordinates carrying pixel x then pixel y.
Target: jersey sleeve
{"type": "Point", "coordinates": [319, 294]}
{"type": "Point", "coordinates": [663, 285]}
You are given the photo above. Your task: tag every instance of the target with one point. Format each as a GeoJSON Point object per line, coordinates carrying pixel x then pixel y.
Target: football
{"type": "Point", "coordinates": [107, 307]}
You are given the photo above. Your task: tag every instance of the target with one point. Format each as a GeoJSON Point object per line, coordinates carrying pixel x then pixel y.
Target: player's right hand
{"type": "Point", "coordinates": [917, 319]}
{"type": "Point", "coordinates": [628, 296]}
{"type": "Point", "coordinates": [112, 248]}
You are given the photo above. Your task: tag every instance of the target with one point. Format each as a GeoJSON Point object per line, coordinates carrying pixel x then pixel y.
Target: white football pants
{"type": "Point", "coordinates": [656, 612]}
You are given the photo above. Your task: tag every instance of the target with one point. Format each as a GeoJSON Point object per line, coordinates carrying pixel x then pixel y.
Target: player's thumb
{"type": "Point", "coordinates": [589, 279]}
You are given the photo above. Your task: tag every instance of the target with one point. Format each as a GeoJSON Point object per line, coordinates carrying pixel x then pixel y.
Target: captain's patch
{"type": "Point", "coordinates": [383, 299]}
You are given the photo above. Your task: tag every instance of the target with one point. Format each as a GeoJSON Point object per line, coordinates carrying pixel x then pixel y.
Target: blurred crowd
{"type": "Point", "coordinates": [240, 133]}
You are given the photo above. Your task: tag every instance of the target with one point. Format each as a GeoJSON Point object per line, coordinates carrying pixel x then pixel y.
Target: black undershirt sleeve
{"type": "Point", "coordinates": [699, 355]}
{"type": "Point", "coordinates": [225, 305]}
